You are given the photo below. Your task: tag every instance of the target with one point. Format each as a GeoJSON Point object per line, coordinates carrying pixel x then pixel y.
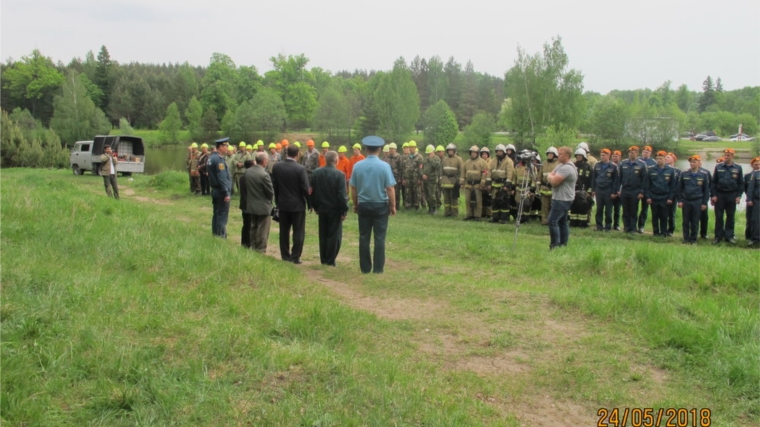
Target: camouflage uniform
{"type": "Point", "coordinates": [501, 175]}
{"type": "Point", "coordinates": [452, 168]}
{"type": "Point", "coordinates": [473, 181]}
{"type": "Point", "coordinates": [431, 167]}
{"type": "Point", "coordinates": [394, 161]}
{"type": "Point", "coordinates": [229, 161]}
{"type": "Point", "coordinates": [521, 178]}
{"type": "Point", "coordinates": [195, 175]}
{"type": "Point", "coordinates": [240, 157]}
{"type": "Point", "coordinates": [545, 189]}
{"type": "Point", "coordinates": [412, 176]}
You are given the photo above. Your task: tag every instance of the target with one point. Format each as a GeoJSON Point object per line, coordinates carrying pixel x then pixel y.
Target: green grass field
{"type": "Point", "coordinates": [129, 313]}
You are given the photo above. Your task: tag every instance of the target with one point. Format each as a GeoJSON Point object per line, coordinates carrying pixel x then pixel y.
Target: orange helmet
{"type": "Point", "coordinates": [309, 143]}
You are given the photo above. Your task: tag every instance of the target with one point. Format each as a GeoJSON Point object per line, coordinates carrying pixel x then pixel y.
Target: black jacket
{"type": "Point", "coordinates": [328, 191]}
{"type": "Point", "coordinates": [291, 186]}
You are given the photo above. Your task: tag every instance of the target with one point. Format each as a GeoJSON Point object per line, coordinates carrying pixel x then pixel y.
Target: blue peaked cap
{"type": "Point", "coordinates": [219, 142]}
{"type": "Point", "coordinates": [373, 141]}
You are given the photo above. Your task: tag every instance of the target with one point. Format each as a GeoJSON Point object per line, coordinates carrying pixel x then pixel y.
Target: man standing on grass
{"type": "Point", "coordinates": [660, 192]}
{"type": "Point", "coordinates": [753, 204]}
{"type": "Point", "coordinates": [670, 160]}
{"type": "Point", "coordinates": [330, 202]}
{"type": "Point", "coordinates": [646, 158]}
{"type": "Point", "coordinates": [108, 164]}
{"type": "Point", "coordinates": [727, 186]}
{"type": "Point", "coordinates": [221, 188]}
{"type": "Point", "coordinates": [562, 179]}
{"type": "Point", "coordinates": [374, 199]}
{"type": "Point", "coordinates": [616, 203]}
{"type": "Point", "coordinates": [291, 193]}
{"type": "Point", "coordinates": [603, 189]}
{"type": "Point", "coordinates": [693, 194]}
{"type": "Point", "coordinates": [256, 194]}
{"type": "Point", "coordinates": [632, 178]}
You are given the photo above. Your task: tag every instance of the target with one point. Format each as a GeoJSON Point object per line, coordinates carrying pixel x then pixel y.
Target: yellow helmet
{"type": "Point", "coordinates": [204, 145]}
{"type": "Point", "coordinates": [259, 142]}
{"type": "Point", "coordinates": [405, 145]}
{"type": "Point", "coordinates": [413, 144]}
{"type": "Point", "coordinates": [439, 148]}
{"type": "Point", "coordinates": [429, 149]}
{"type": "Point", "coordinates": [342, 149]}
{"type": "Point", "coordinates": [249, 147]}
{"type": "Point", "coordinates": [297, 144]}
{"type": "Point", "coordinates": [242, 144]}
{"type": "Point", "coordinates": [194, 145]}
{"type": "Point", "coordinates": [357, 145]}
{"type": "Point", "coordinates": [272, 145]}
{"type": "Point", "coordinates": [325, 144]}
{"type": "Point", "coordinates": [386, 149]}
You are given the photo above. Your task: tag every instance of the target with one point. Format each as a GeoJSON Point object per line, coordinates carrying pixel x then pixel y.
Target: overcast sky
{"type": "Point", "coordinates": [616, 45]}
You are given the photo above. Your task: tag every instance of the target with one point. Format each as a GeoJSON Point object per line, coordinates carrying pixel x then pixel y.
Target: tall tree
{"type": "Point", "coordinates": [608, 119]}
{"type": "Point", "coordinates": [332, 115]}
{"type": "Point", "coordinates": [396, 102]}
{"type": "Point", "coordinates": [32, 82]}
{"type": "Point", "coordinates": [294, 84]}
{"type": "Point", "coordinates": [437, 82]}
{"type": "Point", "coordinates": [269, 113]}
{"type": "Point", "coordinates": [103, 72]}
{"type": "Point", "coordinates": [544, 92]}
{"type": "Point", "coordinates": [480, 131]}
{"type": "Point", "coordinates": [708, 95]}
{"type": "Point", "coordinates": [219, 84]}
{"type": "Point", "coordinates": [684, 98]}
{"type": "Point", "coordinates": [209, 126]}
{"type": "Point", "coordinates": [75, 116]}
{"type": "Point", "coordinates": [455, 83]}
{"type": "Point", "coordinates": [468, 105]}
{"type": "Point", "coordinates": [171, 124]}
{"type": "Point", "coordinates": [194, 115]}
{"type": "Point", "coordinates": [184, 86]}
{"type": "Point", "coordinates": [441, 125]}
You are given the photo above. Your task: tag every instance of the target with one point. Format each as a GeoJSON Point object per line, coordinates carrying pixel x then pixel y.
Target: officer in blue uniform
{"type": "Point", "coordinates": [660, 190]}
{"type": "Point", "coordinates": [646, 157]}
{"type": "Point", "coordinates": [221, 188]}
{"type": "Point", "coordinates": [632, 180]}
{"type": "Point", "coordinates": [704, 216]}
{"type": "Point", "coordinates": [753, 203]}
{"type": "Point", "coordinates": [670, 160]}
{"type": "Point", "coordinates": [727, 186]}
{"type": "Point", "coordinates": [603, 189]}
{"type": "Point", "coordinates": [693, 193]}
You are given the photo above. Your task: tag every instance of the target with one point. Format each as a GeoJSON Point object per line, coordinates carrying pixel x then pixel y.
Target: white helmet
{"type": "Point", "coordinates": [552, 150]}
{"type": "Point", "coordinates": [538, 157]}
{"type": "Point", "coordinates": [511, 147]}
{"type": "Point", "coordinates": [582, 152]}
{"type": "Point", "coordinates": [500, 147]}
{"type": "Point", "coordinates": [485, 150]}
{"type": "Point", "coordinates": [584, 146]}
{"type": "Point", "coordinates": [474, 148]}
{"type": "Point", "coordinates": [451, 146]}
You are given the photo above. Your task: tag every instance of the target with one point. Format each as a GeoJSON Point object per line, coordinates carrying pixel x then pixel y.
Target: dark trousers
{"type": "Point", "coordinates": [726, 204]}
{"type": "Point", "coordinates": [660, 210]}
{"type": "Point", "coordinates": [643, 214]}
{"type": "Point", "coordinates": [221, 213]}
{"type": "Point", "coordinates": [559, 228]}
{"type": "Point", "coordinates": [616, 204]}
{"type": "Point", "coordinates": [259, 234]}
{"type": "Point", "coordinates": [204, 184]}
{"type": "Point", "coordinates": [690, 213]}
{"type": "Point", "coordinates": [603, 208]}
{"type": "Point", "coordinates": [296, 220]}
{"type": "Point", "coordinates": [245, 233]}
{"type": "Point", "coordinates": [703, 219]}
{"type": "Point", "coordinates": [630, 202]}
{"type": "Point", "coordinates": [750, 226]}
{"type": "Point", "coordinates": [330, 237]}
{"type": "Point", "coordinates": [373, 219]}
{"type": "Point", "coordinates": [112, 186]}
{"type": "Point", "coordinates": [672, 217]}
{"type": "Point", "coordinates": [754, 221]}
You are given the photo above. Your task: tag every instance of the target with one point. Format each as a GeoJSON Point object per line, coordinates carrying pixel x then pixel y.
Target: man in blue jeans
{"type": "Point", "coordinates": [563, 180]}
{"type": "Point", "coordinates": [373, 194]}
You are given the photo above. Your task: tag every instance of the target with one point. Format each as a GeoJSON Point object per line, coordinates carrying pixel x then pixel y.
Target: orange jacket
{"type": "Point", "coordinates": [322, 161]}
{"type": "Point", "coordinates": [344, 165]}
{"type": "Point", "coordinates": [354, 161]}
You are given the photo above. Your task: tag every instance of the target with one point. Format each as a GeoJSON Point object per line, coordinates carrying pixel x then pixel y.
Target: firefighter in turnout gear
{"type": "Point", "coordinates": [524, 186]}
{"type": "Point", "coordinates": [501, 171]}
{"type": "Point", "coordinates": [473, 181]}
{"type": "Point", "coordinates": [485, 154]}
{"type": "Point", "coordinates": [452, 168]}
{"type": "Point", "coordinates": [412, 177]}
{"type": "Point", "coordinates": [440, 152]}
{"type": "Point", "coordinates": [580, 210]}
{"type": "Point", "coordinates": [545, 187]}
{"type": "Point", "coordinates": [535, 207]}
{"type": "Point", "coordinates": [591, 159]}
{"type": "Point", "coordinates": [431, 172]}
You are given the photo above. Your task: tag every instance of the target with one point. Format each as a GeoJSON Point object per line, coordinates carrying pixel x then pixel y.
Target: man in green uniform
{"type": "Point", "coordinates": [393, 158]}
{"type": "Point", "coordinates": [412, 177]}
{"type": "Point", "coordinates": [544, 187]}
{"type": "Point", "coordinates": [502, 169]}
{"type": "Point", "coordinates": [238, 169]}
{"type": "Point", "coordinates": [229, 161]}
{"type": "Point", "coordinates": [431, 172]}
{"type": "Point", "coordinates": [524, 181]}
{"type": "Point", "coordinates": [473, 181]}
{"type": "Point", "coordinates": [108, 171]}
{"type": "Point", "coordinates": [452, 167]}
{"type": "Point", "coordinates": [440, 152]}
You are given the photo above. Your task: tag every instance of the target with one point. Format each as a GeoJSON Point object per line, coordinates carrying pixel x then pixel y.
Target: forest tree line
{"type": "Point", "coordinates": [539, 100]}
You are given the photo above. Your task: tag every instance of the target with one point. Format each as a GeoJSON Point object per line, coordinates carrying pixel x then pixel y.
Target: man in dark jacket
{"type": "Point", "coordinates": [726, 190]}
{"type": "Point", "coordinates": [291, 194]}
{"type": "Point", "coordinates": [330, 202]}
{"type": "Point", "coordinates": [660, 193]}
{"type": "Point", "coordinates": [632, 179]}
{"type": "Point", "coordinates": [256, 193]}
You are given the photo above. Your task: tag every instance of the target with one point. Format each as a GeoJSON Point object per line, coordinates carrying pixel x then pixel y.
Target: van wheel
{"type": "Point", "coordinates": [76, 170]}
